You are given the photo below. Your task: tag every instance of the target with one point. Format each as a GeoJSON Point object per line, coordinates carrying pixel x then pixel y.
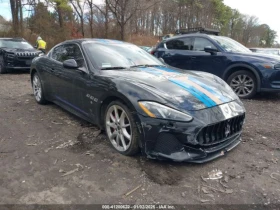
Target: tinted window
{"type": "Point", "coordinates": [59, 53]}
{"type": "Point", "coordinates": [74, 52]}
{"type": "Point", "coordinates": [201, 43]}
{"type": "Point", "coordinates": [70, 51]}
{"type": "Point", "coordinates": [180, 44]}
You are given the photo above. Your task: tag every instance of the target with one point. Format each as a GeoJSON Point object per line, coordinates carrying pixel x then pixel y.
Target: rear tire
{"type": "Point", "coordinates": [2, 67]}
{"type": "Point", "coordinates": [243, 83]}
{"type": "Point", "coordinates": [121, 128]}
{"type": "Point", "coordinates": [38, 89]}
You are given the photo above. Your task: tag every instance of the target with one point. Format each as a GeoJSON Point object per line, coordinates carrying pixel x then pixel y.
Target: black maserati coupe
{"type": "Point", "coordinates": [141, 103]}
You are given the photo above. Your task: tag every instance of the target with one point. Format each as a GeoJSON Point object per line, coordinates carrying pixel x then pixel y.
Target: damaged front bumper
{"type": "Point", "coordinates": [211, 134]}
{"type": "Point", "coordinates": [189, 154]}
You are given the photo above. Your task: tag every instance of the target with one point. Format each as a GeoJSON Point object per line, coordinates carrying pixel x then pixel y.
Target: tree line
{"type": "Point", "coordinates": [131, 20]}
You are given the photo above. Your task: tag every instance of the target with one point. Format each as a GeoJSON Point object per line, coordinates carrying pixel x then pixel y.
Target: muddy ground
{"type": "Point", "coordinates": [49, 156]}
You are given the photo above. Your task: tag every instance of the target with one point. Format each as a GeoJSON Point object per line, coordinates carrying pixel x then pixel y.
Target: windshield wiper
{"type": "Point", "coordinates": [145, 65]}
{"type": "Point", "coordinates": [113, 67]}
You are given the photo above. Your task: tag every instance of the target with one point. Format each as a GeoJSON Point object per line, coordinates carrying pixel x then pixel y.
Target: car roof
{"type": "Point", "coordinates": [102, 41]}
{"type": "Point", "coordinates": [187, 35]}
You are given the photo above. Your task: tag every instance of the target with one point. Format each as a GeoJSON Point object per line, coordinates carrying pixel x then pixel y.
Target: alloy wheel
{"type": "Point", "coordinates": [37, 88]}
{"type": "Point", "coordinates": [243, 85]}
{"type": "Point", "coordinates": [118, 128]}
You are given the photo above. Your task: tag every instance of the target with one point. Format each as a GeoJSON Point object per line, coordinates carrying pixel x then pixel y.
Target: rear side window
{"type": "Point", "coordinates": [180, 44]}
{"type": "Point", "coordinates": [201, 43]}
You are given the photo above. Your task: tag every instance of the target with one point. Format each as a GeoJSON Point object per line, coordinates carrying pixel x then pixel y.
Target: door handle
{"type": "Point", "coordinates": [193, 57]}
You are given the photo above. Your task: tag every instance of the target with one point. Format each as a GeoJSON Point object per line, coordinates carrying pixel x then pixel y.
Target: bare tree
{"type": "Point", "coordinates": [14, 10]}
{"type": "Point", "coordinates": [250, 26]}
{"type": "Point", "coordinates": [79, 9]}
{"type": "Point", "coordinates": [141, 19]}
{"type": "Point", "coordinates": [123, 11]}
{"type": "Point", "coordinates": [104, 10]}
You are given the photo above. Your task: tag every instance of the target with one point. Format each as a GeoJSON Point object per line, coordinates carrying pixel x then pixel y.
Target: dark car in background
{"type": "Point", "coordinates": [16, 54]}
{"type": "Point", "coordinates": [146, 48]}
{"type": "Point", "coordinates": [139, 101]}
{"type": "Point", "coordinates": [247, 73]}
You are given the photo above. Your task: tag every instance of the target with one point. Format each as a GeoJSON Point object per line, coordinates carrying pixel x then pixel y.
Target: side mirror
{"type": "Point", "coordinates": [70, 64]}
{"type": "Point", "coordinates": [210, 50]}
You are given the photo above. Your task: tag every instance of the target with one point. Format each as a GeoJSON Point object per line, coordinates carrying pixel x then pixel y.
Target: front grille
{"type": "Point", "coordinates": [219, 132]}
{"type": "Point", "coordinates": [26, 54]}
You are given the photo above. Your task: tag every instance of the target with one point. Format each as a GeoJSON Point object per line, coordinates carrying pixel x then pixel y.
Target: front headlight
{"type": "Point", "coordinates": [268, 65]}
{"type": "Point", "coordinates": [156, 110]}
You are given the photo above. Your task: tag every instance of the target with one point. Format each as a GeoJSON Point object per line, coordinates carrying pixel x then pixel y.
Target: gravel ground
{"type": "Point", "coordinates": [49, 156]}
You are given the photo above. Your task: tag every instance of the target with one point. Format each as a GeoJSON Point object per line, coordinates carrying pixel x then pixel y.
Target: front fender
{"type": "Point", "coordinates": [130, 93]}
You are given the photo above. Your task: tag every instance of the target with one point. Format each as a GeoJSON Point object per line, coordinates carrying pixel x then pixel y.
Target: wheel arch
{"type": "Point", "coordinates": [119, 97]}
{"type": "Point", "coordinates": [236, 67]}
{"type": "Point", "coordinates": [107, 100]}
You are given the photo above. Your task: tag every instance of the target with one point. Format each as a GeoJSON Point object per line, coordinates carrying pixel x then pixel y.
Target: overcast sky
{"type": "Point", "coordinates": [266, 10]}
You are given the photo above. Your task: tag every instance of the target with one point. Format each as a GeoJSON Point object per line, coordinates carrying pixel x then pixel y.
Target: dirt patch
{"type": "Point", "coordinates": [86, 141]}
{"type": "Point", "coordinates": [160, 173]}
{"type": "Point", "coordinates": [40, 144]}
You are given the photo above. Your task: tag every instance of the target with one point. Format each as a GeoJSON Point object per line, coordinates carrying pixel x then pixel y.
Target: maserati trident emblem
{"type": "Point", "coordinates": [227, 130]}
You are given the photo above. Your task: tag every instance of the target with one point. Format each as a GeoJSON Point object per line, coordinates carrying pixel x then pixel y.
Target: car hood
{"type": "Point", "coordinates": [187, 90]}
{"type": "Point", "coordinates": [261, 57]}
{"type": "Point", "coordinates": [15, 50]}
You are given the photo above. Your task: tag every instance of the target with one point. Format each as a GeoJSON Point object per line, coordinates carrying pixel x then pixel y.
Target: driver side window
{"type": "Point", "coordinates": [59, 53]}
{"type": "Point", "coordinates": [69, 51]}
{"type": "Point", "coordinates": [74, 52]}
{"type": "Point", "coordinates": [201, 43]}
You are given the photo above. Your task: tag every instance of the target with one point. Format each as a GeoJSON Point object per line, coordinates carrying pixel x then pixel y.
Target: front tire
{"type": "Point", "coordinates": [38, 89]}
{"type": "Point", "coordinates": [243, 83]}
{"type": "Point", "coordinates": [121, 128]}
